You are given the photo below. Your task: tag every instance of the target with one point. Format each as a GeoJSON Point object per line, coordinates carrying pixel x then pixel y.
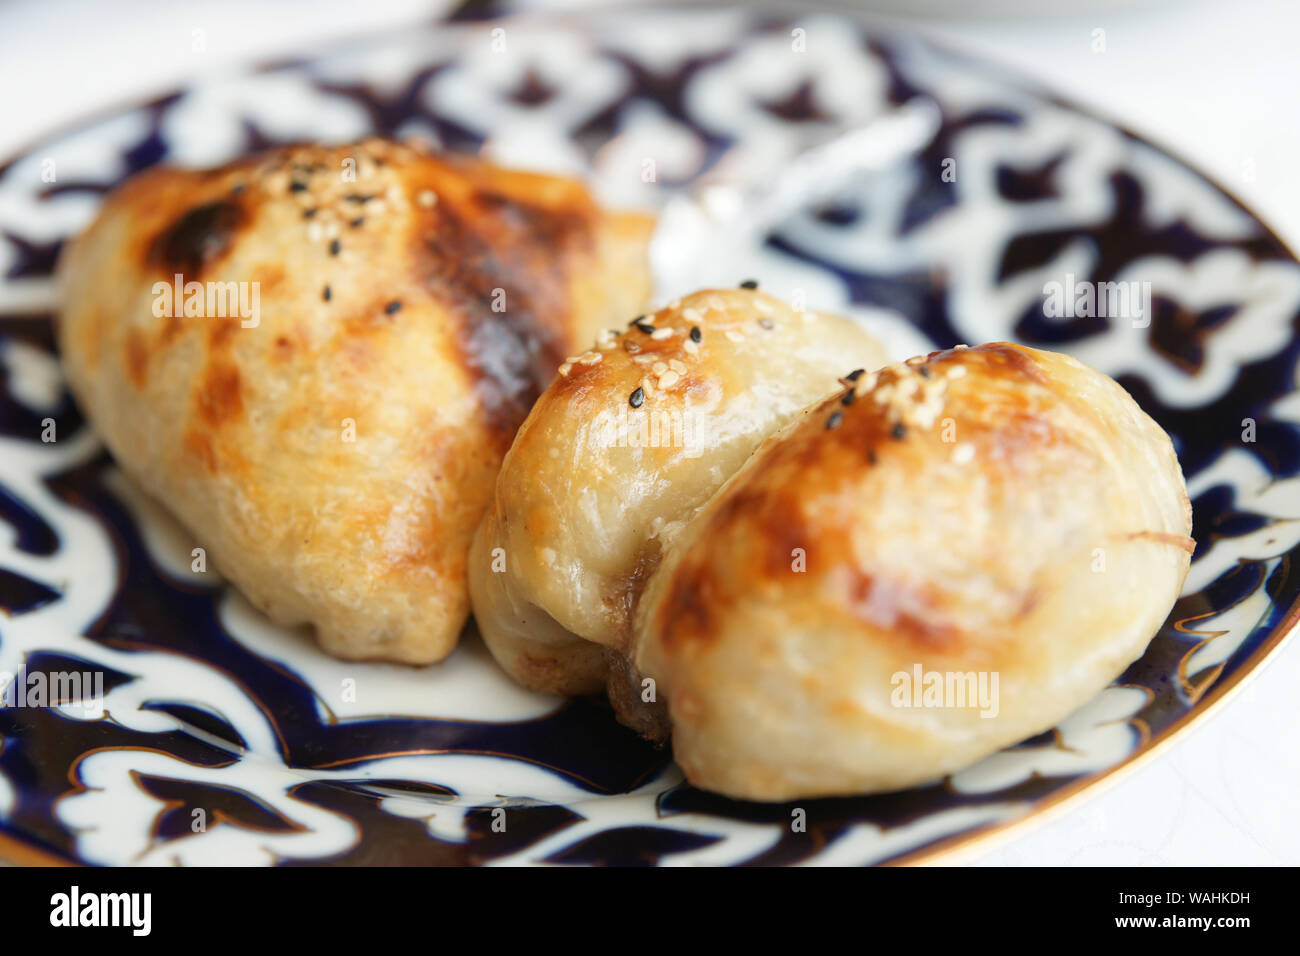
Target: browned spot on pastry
{"type": "Point", "coordinates": [137, 358]}
{"type": "Point", "coordinates": [906, 613]}
{"type": "Point", "coordinates": [197, 238]}
{"type": "Point", "coordinates": [1163, 537]}
{"type": "Point", "coordinates": [199, 447]}
{"type": "Point", "coordinates": [270, 280]}
{"type": "Point", "coordinates": [219, 397]}
{"type": "Point", "coordinates": [686, 615]}
{"type": "Point", "coordinates": [477, 258]}
{"type": "Point", "coordinates": [220, 333]}
{"type": "Point", "coordinates": [998, 359]}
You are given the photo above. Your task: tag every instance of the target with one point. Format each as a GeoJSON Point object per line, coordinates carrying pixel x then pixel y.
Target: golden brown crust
{"type": "Point", "coordinates": [336, 454]}
{"type": "Point", "coordinates": [628, 442]}
{"type": "Point", "coordinates": [992, 510]}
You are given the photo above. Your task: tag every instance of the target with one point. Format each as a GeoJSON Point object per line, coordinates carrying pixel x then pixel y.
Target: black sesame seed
{"type": "Point", "coordinates": [924, 370]}
{"type": "Point", "coordinates": [749, 284]}
{"type": "Point", "coordinates": [637, 397]}
{"type": "Point", "coordinates": [356, 223]}
{"type": "Point", "coordinates": [849, 398]}
{"type": "Point", "coordinates": [393, 306]}
{"type": "Point", "coordinates": [767, 323]}
{"type": "Point", "coordinates": [898, 431]}
{"type": "Point", "coordinates": [335, 247]}
{"type": "Point", "coordinates": [297, 187]}
{"type": "Point", "coordinates": [643, 327]}
{"type": "Point", "coordinates": [695, 333]}
{"type": "Point", "coordinates": [834, 421]}
{"type": "Point", "coordinates": [871, 456]}
{"type": "Point", "coordinates": [856, 374]}
{"type": "Point", "coordinates": [237, 189]}
{"type": "Point", "coordinates": [358, 197]}
{"type": "Point", "coordinates": [308, 213]}
{"type": "Point", "coordinates": [326, 294]}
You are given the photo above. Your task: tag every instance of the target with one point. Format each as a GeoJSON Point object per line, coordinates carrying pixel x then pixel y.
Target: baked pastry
{"type": "Point", "coordinates": [995, 514]}
{"type": "Point", "coordinates": [317, 357]}
{"type": "Point", "coordinates": [999, 518]}
{"type": "Point", "coordinates": [619, 453]}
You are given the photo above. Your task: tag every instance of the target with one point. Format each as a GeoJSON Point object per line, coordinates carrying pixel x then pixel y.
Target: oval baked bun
{"type": "Point", "coordinates": [994, 514]}
{"type": "Point", "coordinates": [626, 445]}
{"type": "Point", "coordinates": [373, 322]}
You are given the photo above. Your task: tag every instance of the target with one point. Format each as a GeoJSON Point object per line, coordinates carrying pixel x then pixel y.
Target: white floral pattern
{"type": "Point", "coordinates": [228, 740]}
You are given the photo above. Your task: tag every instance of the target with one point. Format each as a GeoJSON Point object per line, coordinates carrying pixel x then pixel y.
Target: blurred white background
{"type": "Point", "coordinates": [1216, 83]}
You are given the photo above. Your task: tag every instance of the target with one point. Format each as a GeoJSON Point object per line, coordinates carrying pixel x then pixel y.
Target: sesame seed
{"type": "Point", "coordinates": [427, 198]}
{"type": "Point", "coordinates": [326, 294]}
{"type": "Point", "coordinates": [661, 334]}
{"type": "Point", "coordinates": [749, 284]}
{"type": "Point", "coordinates": [677, 365]}
{"type": "Point", "coordinates": [637, 398]}
{"type": "Point", "coordinates": [692, 315]}
{"type": "Point", "coordinates": [963, 453]}
{"type": "Point", "coordinates": [315, 232]}
{"type": "Point", "coordinates": [690, 347]}
{"type": "Point", "coordinates": [849, 397]}
{"type": "Point", "coordinates": [393, 306]}
{"type": "Point", "coordinates": [925, 371]}
{"type": "Point", "coordinates": [957, 371]}
{"type": "Point", "coordinates": [356, 223]}
{"type": "Point", "coordinates": [309, 212]}
{"type": "Point", "coordinates": [834, 420]}
{"type": "Point", "coordinates": [899, 430]}
{"type": "Point", "coordinates": [734, 336]}
{"type": "Point", "coordinates": [856, 374]}
{"type": "Point", "coordinates": [643, 327]}
{"type": "Point", "coordinates": [668, 379]}
{"type": "Point", "coordinates": [659, 368]}
{"type": "Point", "coordinates": [767, 323]}
{"type": "Point", "coordinates": [297, 187]}
{"type": "Point", "coordinates": [335, 247]}
{"type": "Point", "coordinates": [871, 456]}
{"type": "Point", "coordinates": [695, 334]}
{"type": "Point", "coordinates": [566, 368]}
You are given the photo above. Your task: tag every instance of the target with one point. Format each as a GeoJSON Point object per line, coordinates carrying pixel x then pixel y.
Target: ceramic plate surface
{"type": "Point", "coordinates": [221, 738]}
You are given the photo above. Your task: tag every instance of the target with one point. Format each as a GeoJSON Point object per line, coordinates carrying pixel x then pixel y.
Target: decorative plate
{"type": "Point", "coordinates": [181, 727]}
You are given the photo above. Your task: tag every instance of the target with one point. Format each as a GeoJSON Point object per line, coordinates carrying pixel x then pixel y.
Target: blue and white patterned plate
{"type": "Point", "coordinates": [220, 738]}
